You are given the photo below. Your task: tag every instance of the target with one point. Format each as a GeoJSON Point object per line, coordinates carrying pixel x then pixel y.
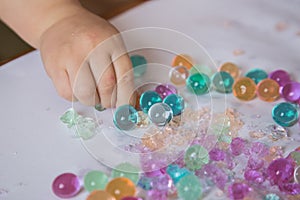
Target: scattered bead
{"type": "Point", "coordinates": [223, 82]}
{"type": "Point", "coordinates": [280, 76]}
{"type": "Point", "coordinates": [126, 170]}
{"type": "Point", "coordinates": [189, 187]}
{"type": "Point", "coordinates": [290, 188]}
{"type": "Point", "coordinates": [178, 75]}
{"type": "Point", "coordinates": [217, 154]}
{"type": "Point", "coordinates": [85, 127]}
{"type": "Point", "coordinates": [176, 103]}
{"type": "Point", "coordinates": [121, 187]}
{"type": "Point", "coordinates": [139, 64]}
{"type": "Point", "coordinates": [291, 92]}
{"type": "Point", "coordinates": [257, 75]}
{"type": "Point", "coordinates": [244, 89]}
{"type": "Point", "coordinates": [148, 99]}
{"type": "Point", "coordinates": [268, 90]}
{"type": "Point", "coordinates": [66, 185]}
{"type": "Point", "coordinates": [195, 157]}
{"type": "Point", "coordinates": [254, 176]}
{"type": "Point", "coordinates": [100, 194]}
{"type": "Point", "coordinates": [238, 191]}
{"type": "Point", "coordinates": [198, 83]}
{"type": "Point", "coordinates": [230, 68]}
{"type": "Point", "coordinates": [183, 60]}
{"type": "Point", "coordinates": [70, 117]}
{"type": "Point", "coordinates": [125, 117]}
{"type": "Point", "coordinates": [165, 90]}
{"type": "Point", "coordinates": [285, 114]}
{"type": "Point", "coordinates": [280, 171]}
{"type": "Point", "coordinates": [160, 114]}
{"type": "Point", "coordinates": [95, 180]}
{"type": "Point", "coordinates": [145, 183]}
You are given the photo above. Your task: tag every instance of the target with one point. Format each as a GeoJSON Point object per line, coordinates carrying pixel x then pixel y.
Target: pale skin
{"type": "Point", "coordinates": [82, 53]}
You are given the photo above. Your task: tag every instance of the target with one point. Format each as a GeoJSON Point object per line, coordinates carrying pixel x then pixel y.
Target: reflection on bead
{"type": "Point", "coordinates": [100, 194]}
{"type": "Point", "coordinates": [160, 114]}
{"type": "Point", "coordinates": [230, 68]}
{"type": "Point", "coordinates": [178, 75]}
{"type": "Point", "coordinates": [148, 99]}
{"type": "Point", "coordinates": [125, 117]}
{"type": "Point", "coordinates": [285, 114]}
{"type": "Point", "coordinates": [244, 89]}
{"type": "Point", "coordinates": [280, 76]}
{"type": "Point", "coordinates": [139, 64]}
{"type": "Point", "coordinates": [66, 185]}
{"type": "Point", "coordinates": [126, 170]}
{"type": "Point", "coordinates": [95, 180]}
{"type": "Point", "coordinates": [268, 90]}
{"type": "Point", "coordinates": [189, 187]}
{"type": "Point", "coordinates": [165, 90]}
{"type": "Point", "coordinates": [183, 60]}
{"type": "Point", "coordinates": [223, 82]}
{"type": "Point", "coordinates": [121, 187]}
{"type": "Point", "coordinates": [257, 75]}
{"type": "Point", "coordinates": [195, 157]}
{"type": "Point", "coordinates": [176, 103]}
{"type": "Point", "coordinates": [291, 92]}
{"type": "Point", "coordinates": [198, 83]}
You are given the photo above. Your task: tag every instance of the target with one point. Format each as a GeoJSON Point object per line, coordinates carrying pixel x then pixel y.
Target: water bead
{"type": "Point", "coordinates": [297, 174]}
{"type": "Point", "coordinates": [95, 180]}
{"type": "Point", "coordinates": [254, 176]}
{"type": "Point", "coordinates": [237, 146]}
{"type": "Point", "coordinates": [145, 183]}
{"type": "Point", "coordinates": [195, 157]}
{"type": "Point", "coordinates": [257, 75]}
{"type": "Point", "coordinates": [157, 195]}
{"type": "Point", "coordinates": [66, 185]}
{"type": "Point", "coordinates": [280, 76]}
{"type": "Point", "coordinates": [244, 89]}
{"type": "Point", "coordinates": [280, 171]}
{"type": "Point", "coordinates": [176, 173]}
{"type": "Point", "coordinates": [165, 90]}
{"type": "Point", "coordinates": [160, 114]}
{"type": "Point", "coordinates": [230, 68]}
{"type": "Point", "coordinates": [291, 92]}
{"type": "Point", "coordinates": [198, 83]}
{"type": "Point", "coordinates": [126, 170]}
{"type": "Point", "coordinates": [222, 82]}
{"type": "Point", "coordinates": [121, 187]}
{"type": "Point", "coordinates": [148, 99]}
{"type": "Point", "coordinates": [189, 187]}
{"type": "Point", "coordinates": [85, 127]}
{"type": "Point", "coordinates": [290, 188]}
{"type": "Point", "coordinates": [100, 194]}
{"type": "Point", "coordinates": [183, 60]}
{"type": "Point", "coordinates": [178, 75]}
{"type": "Point", "coordinates": [217, 154]}
{"type": "Point", "coordinates": [271, 196]}
{"type": "Point", "coordinates": [238, 191]}
{"type": "Point", "coordinates": [268, 90]}
{"type": "Point", "coordinates": [125, 117]}
{"type": "Point", "coordinates": [176, 103]}
{"type": "Point", "coordinates": [139, 64]}
{"type": "Point", "coordinates": [70, 117]}
{"type": "Point", "coordinates": [285, 114]}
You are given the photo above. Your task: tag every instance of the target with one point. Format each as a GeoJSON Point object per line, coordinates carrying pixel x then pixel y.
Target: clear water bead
{"type": "Point", "coordinates": [139, 64]}
{"type": "Point", "coordinates": [125, 117]}
{"type": "Point", "coordinates": [160, 114]}
{"type": "Point", "coordinates": [222, 82]}
{"type": "Point", "coordinates": [257, 75]}
{"type": "Point", "coordinates": [178, 75]}
{"type": "Point", "coordinates": [148, 99]}
{"type": "Point", "coordinates": [285, 114]}
{"type": "Point", "coordinates": [176, 103]}
{"type": "Point", "coordinates": [198, 83]}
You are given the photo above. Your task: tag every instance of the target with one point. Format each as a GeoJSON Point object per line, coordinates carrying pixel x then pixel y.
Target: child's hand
{"type": "Point", "coordinates": [82, 70]}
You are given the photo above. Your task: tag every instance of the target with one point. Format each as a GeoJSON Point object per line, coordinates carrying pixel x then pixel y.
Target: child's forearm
{"type": "Point", "coordinates": [30, 18]}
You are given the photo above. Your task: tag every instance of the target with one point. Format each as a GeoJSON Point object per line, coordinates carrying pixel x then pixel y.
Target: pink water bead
{"type": "Point", "coordinates": [217, 154]}
{"type": "Point", "coordinates": [238, 191]}
{"type": "Point", "coordinates": [66, 185]}
{"type": "Point", "coordinates": [291, 92]}
{"type": "Point", "coordinates": [280, 171]}
{"type": "Point", "coordinates": [165, 90]}
{"type": "Point", "coordinates": [290, 188]}
{"type": "Point", "coordinates": [280, 76]}
{"type": "Point", "coordinates": [237, 146]}
{"type": "Point", "coordinates": [254, 176]}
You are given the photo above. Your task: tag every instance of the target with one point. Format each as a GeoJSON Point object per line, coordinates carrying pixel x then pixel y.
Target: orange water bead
{"type": "Point", "coordinates": [121, 187]}
{"type": "Point", "coordinates": [230, 68]}
{"type": "Point", "coordinates": [244, 89]}
{"type": "Point", "coordinates": [100, 194]}
{"type": "Point", "coordinates": [183, 60]}
{"type": "Point", "coordinates": [268, 90]}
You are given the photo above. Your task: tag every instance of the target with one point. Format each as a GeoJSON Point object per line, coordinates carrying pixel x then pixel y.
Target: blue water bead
{"type": "Point", "coordinates": [271, 196]}
{"type": "Point", "coordinates": [176, 103]}
{"type": "Point", "coordinates": [145, 183]}
{"type": "Point", "coordinates": [195, 157]}
{"type": "Point", "coordinates": [198, 83]}
{"type": "Point", "coordinates": [125, 117]}
{"type": "Point", "coordinates": [189, 188]}
{"type": "Point", "coordinates": [285, 114]}
{"type": "Point", "coordinates": [222, 82]}
{"type": "Point", "coordinates": [148, 99]}
{"type": "Point", "coordinates": [176, 173]}
{"type": "Point", "coordinates": [257, 75]}
{"type": "Point", "coordinates": [139, 64]}
{"type": "Point", "coordinates": [160, 114]}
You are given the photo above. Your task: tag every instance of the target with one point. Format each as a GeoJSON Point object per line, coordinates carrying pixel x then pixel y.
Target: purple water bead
{"type": "Point", "coordinates": [132, 198]}
{"type": "Point", "coordinates": [162, 183]}
{"type": "Point", "coordinates": [217, 154]}
{"type": "Point", "coordinates": [280, 171]}
{"type": "Point", "coordinates": [255, 162]}
{"type": "Point", "coordinates": [66, 185]}
{"type": "Point", "coordinates": [157, 195]}
{"type": "Point", "coordinates": [165, 90]}
{"type": "Point", "coordinates": [219, 177]}
{"type": "Point", "coordinates": [280, 76]}
{"type": "Point", "coordinates": [259, 149]}
{"type": "Point", "coordinates": [290, 188]}
{"type": "Point", "coordinates": [291, 92]}
{"type": "Point", "coordinates": [238, 191]}
{"type": "Point", "coordinates": [254, 176]}
{"type": "Point", "coordinates": [237, 146]}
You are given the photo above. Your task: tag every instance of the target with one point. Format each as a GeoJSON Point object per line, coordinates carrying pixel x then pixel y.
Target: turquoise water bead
{"type": "Point", "coordinates": [125, 117]}
{"type": "Point", "coordinates": [126, 170]}
{"type": "Point", "coordinates": [176, 173]}
{"type": "Point", "coordinates": [271, 196]}
{"type": "Point", "coordinates": [195, 157]}
{"type": "Point", "coordinates": [257, 75]}
{"type": "Point", "coordinates": [139, 64]}
{"type": "Point", "coordinates": [189, 188]}
{"type": "Point", "coordinates": [285, 114]}
{"type": "Point", "coordinates": [198, 83]}
{"type": "Point", "coordinates": [160, 114]}
{"type": "Point", "coordinates": [148, 99]}
{"type": "Point", "coordinates": [176, 103]}
{"type": "Point", "coordinates": [95, 180]}
{"type": "Point", "coordinates": [223, 82]}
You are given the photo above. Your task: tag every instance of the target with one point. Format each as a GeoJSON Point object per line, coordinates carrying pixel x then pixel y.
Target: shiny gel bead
{"type": "Point", "coordinates": [290, 188]}
{"type": "Point", "coordinates": [176, 173]}
{"type": "Point", "coordinates": [244, 89]}
{"type": "Point", "coordinates": [178, 75]}
{"type": "Point", "coordinates": [280, 171]}
{"type": "Point", "coordinates": [217, 154]}
{"type": "Point", "coordinates": [139, 64]}
{"type": "Point", "coordinates": [230, 68]}
{"type": "Point", "coordinates": [285, 114]}
{"type": "Point", "coordinates": [183, 60]}
{"type": "Point", "coordinates": [165, 90]}
{"type": "Point", "coordinates": [148, 99]}
{"type": "Point", "coordinates": [238, 191]}
{"type": "Point", "coordinates": [280, 76]}
{"type": "Point", "coordinates": [297, 174]}
{"type": "Point", "coordinates": [70, 117]}
{"type": "Point", "coordinates": [126, 170]}
{"type": "Point", "coordinates": [160, 114]}
{"type": "Point", "coordinates": [125, 117]}
{"type": "Point", "coordinates": [268, 90]}
{"type": "Point", "coordinates": [95, 180]}
{"type": "Point", "coordinates": [100, 194]}
{"type": "Point", "coordinates": [195, 157]}
{"type": "Point", "coordinates": [189, 187]}
{"type": "Point", "coordinates": [222, 82]}
{"type": "Point", "coordinates": [291, 92]}
{"type": "Point", "coordinates": [257, 75]}
{"type": "Point", "coordinates": [66, 185]}
{"type": "Point", "coordinates": [121, 187]}
{"type": "Point", "coordinates": [176, 103]}
{"type": "Point", "coordinates": [271, 196]}
{"type": "Point", "coordinates": [198, 83]}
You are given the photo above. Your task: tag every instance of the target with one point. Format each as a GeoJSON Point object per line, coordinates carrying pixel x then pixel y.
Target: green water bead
{"type": "Point", "coordinates": [126, 170]}
{"type": "Point", "coordinates": [296, 157]}
{"type": "Point", "coordinates": [189, 188]}
{"type": "Point", "coordinates": [257, 75]}
{"type": "Point", "coordinates": [95, 180]}
{"type": "Point", "coordinates": [70, 117]}
{"type": "Point", "coordinates": [222, 82]}
{"type": "Point", "coordinates": [285, 114]}
{"type": "Point", "coordinates": [139, 64]}
{"type": "Point", "coordinates": [85, 127]}
{"type": "Point", "coordinates": [195, 157]}
{"type": "Point", "coordinates": [198, 83]}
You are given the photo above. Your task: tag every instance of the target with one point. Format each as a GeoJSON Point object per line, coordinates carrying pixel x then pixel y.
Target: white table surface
{"type": "Point", "coordinates": [35, 146]}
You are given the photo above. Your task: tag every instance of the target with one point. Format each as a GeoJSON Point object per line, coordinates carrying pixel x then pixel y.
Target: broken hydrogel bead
{"type": "Point", "coordinates": [70, 117]}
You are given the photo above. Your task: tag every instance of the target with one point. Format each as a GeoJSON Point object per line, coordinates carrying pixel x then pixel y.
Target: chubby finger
{"type": "Point", "coordinates": [62, 84]}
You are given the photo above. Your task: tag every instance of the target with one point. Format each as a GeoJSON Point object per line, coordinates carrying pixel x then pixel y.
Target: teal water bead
{"type": "Point", "coordinates": [285, 114]}
{"type": "Point", "coordinates": [139, 64]}
{"type": "Point", "coordinates": [195, 157]}
{"type": "Point", "coordinates": [189, 188]}
{"type": "Point", "coordinates": [126, 170]}
{"type": "Point", "coordinates": [271, 196]}
{"type": "Point", "coordinates": [125, 117]}
{"type": "Point", "coordinates": [148, 99]}
{"type": "Point", "coordinates": [257, 75]}
{"type": "Point", "coordinates": [160, 114]}
{"type": "Point", "coordinates": [95, 180]}
{"type": "Point", "coordinates": [223, 82]}
{"type": "Point", "coordinates": [176, 103]}
{"type": "Point", "coordinates": [198, 83]}
{"type": "Point", "coordinates": [176, 172]}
